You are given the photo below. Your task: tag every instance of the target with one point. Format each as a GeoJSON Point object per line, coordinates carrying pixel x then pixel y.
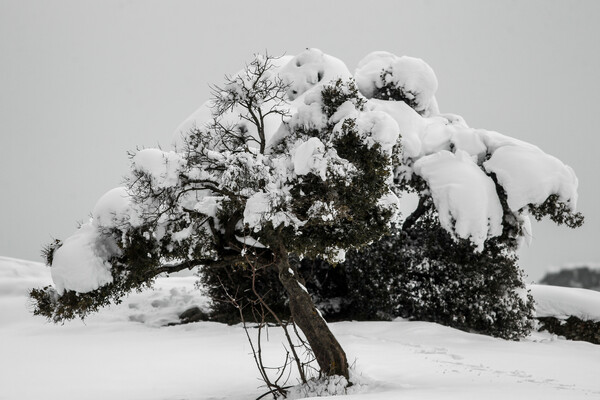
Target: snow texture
{"type": "Point", "coordinates": [209, 205]}
{"type": "Point", "coordinates": [526, 173]}
{"type": "Point", "coordinates": [464, 196]}
{"type": "Point", "coordinates": [561, 302]}
{"type": "Point", "coordinates": [529, 176]}
{"type": "Point", "coordinates": [108, 357]}
{"type": "Point", "coordinates": [114, 208]}
{"type": "Point", "coordinates": [256, 207]}
{"type": "Point", "coordinates": [80, 263]}
{"type": "Point", "coordinates": [308, 157]}
{"type": "Point", "coordinates": [163, 167]}
{"type": "Point", "coordinates": [380, 128]}
{"type": "Point", "coordinates": [410, 124]}
{"type": "Point", "coordinates": [412, 75]}
{"type": "Point", "coordinates": [310, 68]}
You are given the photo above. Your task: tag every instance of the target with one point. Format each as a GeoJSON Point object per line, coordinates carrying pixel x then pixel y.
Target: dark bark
{"type": "Point", "coordinates": [422, 208]}
{"type": "Point", "coordinates": [328, 352]}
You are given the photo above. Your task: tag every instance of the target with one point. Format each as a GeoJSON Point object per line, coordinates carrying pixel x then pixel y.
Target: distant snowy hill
{"type": "Point", "coordinates": [123, 352]}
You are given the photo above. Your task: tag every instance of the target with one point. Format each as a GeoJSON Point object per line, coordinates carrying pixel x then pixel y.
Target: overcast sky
{"type": "Point", "coordinates": [83, 82]}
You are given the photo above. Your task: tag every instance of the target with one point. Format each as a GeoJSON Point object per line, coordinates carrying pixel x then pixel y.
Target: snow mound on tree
{"type": "Point", "coordinates": [382, 129]}
{"type": "Point", "coordinates": [526, 173]}
{"type": "Point", "coordinates": [80, 263]}
{"type": "Point", "coordinates": [410, 124]}
{"type": "Point", "coordinates": [413, 76]}
{"type": "Point", "coordinates": [517, 167]}
{"type": "Point", "coordinates": [310, 68]}
{"type": "Point", "coordinates": [114, 208]}
{"type": "Point", "coordinates": [262, 207]}
{"type": "Point", "coordinates": [162, 166]}
{"type": "Point", "coordinates": [308, 158]}
{"type": "Point", "coordinates": [464, 196]}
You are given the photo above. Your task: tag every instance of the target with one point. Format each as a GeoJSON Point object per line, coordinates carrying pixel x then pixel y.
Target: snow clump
{"type": "Point", "coordinates": [80, 263]}
{"type": "Point", "coordinates": [162, 166]}
{"type": "Point", "coordinates": [310, 68]}
{"type": "Point", "coordinates": [464, 196]}
{"type": "Point", "coordinates": [114, 208]}
{"type": "Point", "coordinates": [308, 157]}
{"type": "Point", "coordinates": [516, 167]}
{"type": "Point", "coordinates": [413, 77]}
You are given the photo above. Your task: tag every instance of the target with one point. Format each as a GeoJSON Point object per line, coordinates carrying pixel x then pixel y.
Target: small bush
{"type": "Point", "coordinates": [572, 328]}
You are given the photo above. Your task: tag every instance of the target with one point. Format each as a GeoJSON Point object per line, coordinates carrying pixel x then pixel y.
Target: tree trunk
{"type": "Point", "coordinates": [329, 354]}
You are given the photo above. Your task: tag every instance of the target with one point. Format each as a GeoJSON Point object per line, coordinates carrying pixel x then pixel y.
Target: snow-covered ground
{"type": "Point", "coordinates": [562, 302]}
{"type": "Point", "coordinates": [124, 353]}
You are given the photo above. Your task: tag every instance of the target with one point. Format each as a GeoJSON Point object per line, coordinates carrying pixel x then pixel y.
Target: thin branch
{"type": "Point", "coordinates": [274, 388]}
{"type": "Point", "coordinates": [223, 262]}
{"type": "Point", "coordinates": [279, 322]}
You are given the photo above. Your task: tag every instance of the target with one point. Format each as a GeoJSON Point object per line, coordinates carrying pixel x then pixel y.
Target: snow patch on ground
{"type": "Point", "coordinates": [561, 302]}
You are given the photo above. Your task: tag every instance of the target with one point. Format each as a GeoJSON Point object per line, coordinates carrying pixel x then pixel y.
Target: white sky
{"type": "Point", "coordinates": [83, 82]}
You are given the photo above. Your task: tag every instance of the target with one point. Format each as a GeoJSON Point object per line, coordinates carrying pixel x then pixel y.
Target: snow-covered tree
{"type": "Point", "coordinates": [295, 156]}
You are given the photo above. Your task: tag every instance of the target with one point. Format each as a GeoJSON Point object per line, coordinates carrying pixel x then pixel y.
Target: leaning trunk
{"type": "Point", "coordinates": [329, 354]}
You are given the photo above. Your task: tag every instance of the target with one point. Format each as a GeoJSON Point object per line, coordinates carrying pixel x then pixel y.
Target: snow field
{"type": "Point", "coordinates": [124, 353]}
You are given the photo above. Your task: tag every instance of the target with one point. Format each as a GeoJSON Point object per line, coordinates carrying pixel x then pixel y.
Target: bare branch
{"type": "Point", "coordinates": [279, 322]}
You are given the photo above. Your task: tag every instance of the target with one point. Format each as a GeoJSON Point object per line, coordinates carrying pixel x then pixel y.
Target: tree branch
{"type": "Point", "coordinates": [424, 206]}
{"type": "Point", "coordinates": [225, 261]}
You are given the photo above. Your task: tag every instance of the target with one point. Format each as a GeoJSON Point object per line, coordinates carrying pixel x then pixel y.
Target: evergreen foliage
{"type": "Point", "coordinates": [49, 249]}
{"type": "Point", "coordinates": [422, 274]}
{"type": "Point", "coordinates": [557, 211]}
{"type": "Point", "coordinates": [392, 91]}
{"type": "Point", "coordinates": [134, 270]}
